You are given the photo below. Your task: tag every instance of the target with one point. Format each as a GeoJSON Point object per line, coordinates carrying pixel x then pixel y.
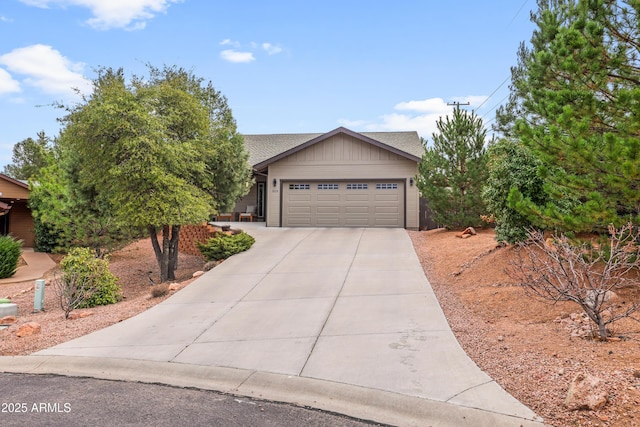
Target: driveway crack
{"type": "Point", "coordinates": [335, 300]}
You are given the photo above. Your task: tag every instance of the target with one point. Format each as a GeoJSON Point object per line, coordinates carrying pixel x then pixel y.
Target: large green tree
{"type": "Point", "coordinates": [453, 170]}
{"type": "Point", "coordinates": [29, 157]}
{"type": "Point", "coordinates": [156, 153]}
{"type": "Point", "coordinates": [575, 104]}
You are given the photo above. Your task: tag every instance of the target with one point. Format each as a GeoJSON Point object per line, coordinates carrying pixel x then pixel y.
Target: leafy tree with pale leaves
{"type": "Point", "coordinates": [156, 153]}
{"type": "Point", "coordinates": [453, 170]}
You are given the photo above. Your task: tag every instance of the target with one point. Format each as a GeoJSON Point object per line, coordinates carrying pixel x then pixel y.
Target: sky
{"type": "Point", "coordinates": [284, 66]}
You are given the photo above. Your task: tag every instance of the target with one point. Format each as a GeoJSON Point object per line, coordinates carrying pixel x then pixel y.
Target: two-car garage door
{"type": "Point", "coordinates": [343, 204]}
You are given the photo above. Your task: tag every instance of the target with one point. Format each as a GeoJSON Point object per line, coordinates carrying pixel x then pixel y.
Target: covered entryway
{"type": "Point", "coordinates": [361, 203]}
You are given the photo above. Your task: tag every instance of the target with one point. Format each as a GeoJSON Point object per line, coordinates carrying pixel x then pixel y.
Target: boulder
{"type": "Point", "coordinates": [29, 328]}
{"type": "Point", "coordinates": [586, 392]}
{"type": "Point", "coordinates": [198, 273]}
{"type": "Point", "coordinates": [79, 315]}
{"type": "Point", "coordinates": [7, 320]}
{"type": "Point", "coordinates": [468, 232]}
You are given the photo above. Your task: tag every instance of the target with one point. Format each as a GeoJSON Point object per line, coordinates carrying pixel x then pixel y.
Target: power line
{"type": "Point", "coordinates": [518, 12]}
{"type": "Point", "coordinates": [492, 93]}
{"type": "Point", "coordinates": [495, 106]}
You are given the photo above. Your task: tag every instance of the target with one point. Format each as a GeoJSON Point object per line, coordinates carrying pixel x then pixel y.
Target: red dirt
{"type": "Point", "coordinates": [521, 342]}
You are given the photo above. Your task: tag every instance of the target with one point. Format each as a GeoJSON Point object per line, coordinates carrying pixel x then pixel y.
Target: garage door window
{"type": "Point", "coordinates": [357, 186]}
{"type": "Point", "coordinates": [390, 186]}
{"type": "Point", "coordinates": [328, 186]}
{"type": "Point", "coordinates": [299, 186]}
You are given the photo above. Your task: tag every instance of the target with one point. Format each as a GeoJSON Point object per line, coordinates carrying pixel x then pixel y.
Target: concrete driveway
{"type": "Point", "coordinates": [338, 319]}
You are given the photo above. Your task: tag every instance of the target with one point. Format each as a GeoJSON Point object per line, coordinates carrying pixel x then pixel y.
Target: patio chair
{"type": "Point", "coordinates": [222, 216]}
{"type": "Point", "coordinates": [248, 214]}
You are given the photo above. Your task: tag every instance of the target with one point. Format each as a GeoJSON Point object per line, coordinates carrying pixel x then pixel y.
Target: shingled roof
{"type": "Point", "coordinates": [264, 149]}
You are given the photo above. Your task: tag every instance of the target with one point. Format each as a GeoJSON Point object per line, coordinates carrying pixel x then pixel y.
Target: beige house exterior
{"type": "Point", "coordinates": [337, 179]}
{"type": "Point", "coordinates": [15, 216]}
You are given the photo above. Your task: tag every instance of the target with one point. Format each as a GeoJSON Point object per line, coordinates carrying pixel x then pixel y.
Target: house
{"type": "Point", "coordinates": [337, 179]}
{"type": "Point", "coordinates": [15, 215]}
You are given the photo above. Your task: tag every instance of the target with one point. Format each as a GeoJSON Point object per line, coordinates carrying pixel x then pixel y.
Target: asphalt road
{"type": "Point", "coordinates": [49, 400]}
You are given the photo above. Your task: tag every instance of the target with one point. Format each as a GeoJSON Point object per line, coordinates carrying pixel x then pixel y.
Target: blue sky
{"type": "Point", "coordinates": [284, 66]}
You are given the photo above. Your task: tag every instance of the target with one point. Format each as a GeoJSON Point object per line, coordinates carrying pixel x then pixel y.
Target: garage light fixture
{"type": "Point", "coordinates": [411, 182]}
{"type": "Point", "coordinates": [275, 182]}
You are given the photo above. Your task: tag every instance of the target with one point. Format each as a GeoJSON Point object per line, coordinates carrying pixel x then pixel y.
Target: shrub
{"type": "Point", "coordinates": [83, 267]}
{"type": "Point", "coordinates": [557, 269]}
{"type": "Point", "coordinates": [10, 250]}
{"type": "Point", "coordinates": [511, 166]}
{"type": "Point", "coordinates": [222, 245]}
{"type": "Point", "coordinates": [73, 289]}
{"type": "Point", "coordinates": [160, 290]}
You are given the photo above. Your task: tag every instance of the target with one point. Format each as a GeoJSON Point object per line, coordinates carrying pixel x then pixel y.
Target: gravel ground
{"type": "Point", "coordinates": [527, 346]}
{"type": "Point", "coordinates": [131, 265]}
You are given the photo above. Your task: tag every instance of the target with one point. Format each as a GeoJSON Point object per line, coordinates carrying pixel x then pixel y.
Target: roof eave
{"type": "Point", "coordinates": [265, 163]}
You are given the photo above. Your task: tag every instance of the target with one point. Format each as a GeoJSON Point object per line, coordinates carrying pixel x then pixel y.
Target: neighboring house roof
{"type": "Point", "coordinates": [266, 149]}
{"type": "Point", "coordinates": [17, 182]}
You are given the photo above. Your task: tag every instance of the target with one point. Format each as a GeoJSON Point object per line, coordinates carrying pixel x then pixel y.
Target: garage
{"type": "Point", "coordinates": [357, 203]}
{"type": "Point", "coordinates": [340, 178]}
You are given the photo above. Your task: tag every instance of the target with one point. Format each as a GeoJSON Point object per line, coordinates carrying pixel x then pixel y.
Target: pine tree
{"type": "Point", "coordinates": [576, 105]}
{"type": "Point", "coordinates": [453, 170]}
{"type": "Point", "coordinates": [29, 157]}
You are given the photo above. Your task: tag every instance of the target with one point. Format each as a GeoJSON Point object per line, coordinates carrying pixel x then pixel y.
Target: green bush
{"type": "Point", "coordinates": [222, 245]}
{"type": "Point", "coordinates": [511, 166]}
{"type": "Point", "coordinates": [82, 265]}
{"type": "Point", "coordinates": [10, 250]}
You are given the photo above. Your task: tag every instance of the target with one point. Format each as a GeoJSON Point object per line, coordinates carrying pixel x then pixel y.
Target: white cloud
{"type": "Point", "coordinates": [416, 115]}
{"type": "Point", "coordinates": [271, 49]}
{"type": "Point", "coordinates": [5, 19]}
{"type": "Point", "coordinates": [7, 83]}
{"type": "Point", "coordinates": [45, 68]}
{"type": "Point", "coordinates": [246, 52]}
{"type": "Point", "coordinates": [236, 56]}
{"type": "Point", "coordinates": [430, 105]}
{"type": "Point", "coordinates": [107, 14]}
{"type": "Point", "coordinates": [229, 42]}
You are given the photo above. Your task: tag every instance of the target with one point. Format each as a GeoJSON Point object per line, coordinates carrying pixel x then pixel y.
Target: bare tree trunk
{"type": "Point", "coordinates": [173, 252]}
{"type": "Point", "coordinates": [162, 253]}
{"type": "Point", "coordinates": [164, 264]}
{"type": "Point", "coordinates": [153, 233]}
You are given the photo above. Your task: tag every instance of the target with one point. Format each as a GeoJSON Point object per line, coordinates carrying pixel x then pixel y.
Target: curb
{"type": "Point", "coordinates": [354, 401]}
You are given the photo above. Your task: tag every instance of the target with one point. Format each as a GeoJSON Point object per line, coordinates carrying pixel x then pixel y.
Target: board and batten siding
{"type": "Point", "coordinates": [10, 190]}
{"type": "Point", "coordinates": [340, 158]}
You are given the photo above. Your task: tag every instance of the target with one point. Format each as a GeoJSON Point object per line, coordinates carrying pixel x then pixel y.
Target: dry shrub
{"type": "Point", "coordinates": [558, 269]}
{"type": "Point", "coordinates": [160, 290]}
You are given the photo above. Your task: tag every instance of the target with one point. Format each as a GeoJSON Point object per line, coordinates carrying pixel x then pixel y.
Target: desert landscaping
{"type": "Point", "coordinates": [534, 350]}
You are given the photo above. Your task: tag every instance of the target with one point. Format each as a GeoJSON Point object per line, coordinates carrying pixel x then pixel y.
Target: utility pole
{"type": "Point", "coordinates": [458, 104]}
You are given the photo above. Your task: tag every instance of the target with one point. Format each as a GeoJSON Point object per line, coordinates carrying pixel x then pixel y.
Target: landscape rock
{"type": "Point", "coordinates": [7, 320]}
{"type": "Point", "coordinates": [468, 232]}
{"type": "Point", "coordinates": [586, 392]}
{"type": "Point", "coordinates": [198, 273]}
{"type": "Point", "coordinates": [79, 315]}
{"type": "Point", "coordinates": [29, 328]}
